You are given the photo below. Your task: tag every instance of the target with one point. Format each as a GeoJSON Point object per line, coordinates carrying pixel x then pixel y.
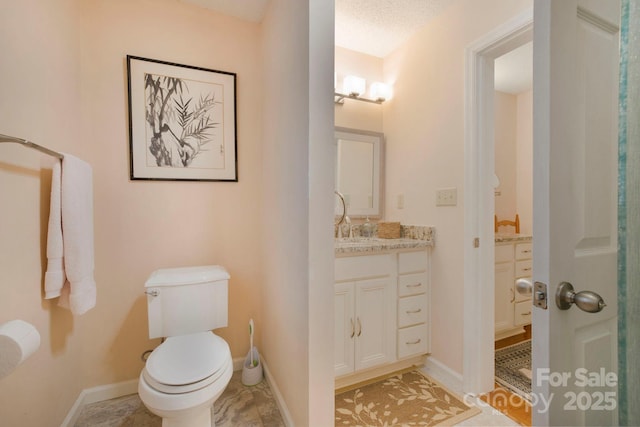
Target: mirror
{"type": "Point", "coordinates": [359, 171]}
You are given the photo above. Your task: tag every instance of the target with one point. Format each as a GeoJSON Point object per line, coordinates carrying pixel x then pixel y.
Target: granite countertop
{"type": "Point", "coordinates": [413, 236]}
{"type": "Point", "coordinates": [355, 245]}
{"type": "Point", "coordinates": [512, 237]}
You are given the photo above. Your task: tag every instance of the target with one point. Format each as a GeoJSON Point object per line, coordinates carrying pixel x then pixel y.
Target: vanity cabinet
{"type": "Point", "coordinates": [413, 304]}
{"type": "Point", "coordinates": [512, 310]}
{"type": "Point", "coordinates": [381, 313]}
{"type": "Point", "coordinates": [364, 318]}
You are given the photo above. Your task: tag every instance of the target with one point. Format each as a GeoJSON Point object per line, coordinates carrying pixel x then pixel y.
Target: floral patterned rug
{"type": "Point", "coordinates": [406, 399]}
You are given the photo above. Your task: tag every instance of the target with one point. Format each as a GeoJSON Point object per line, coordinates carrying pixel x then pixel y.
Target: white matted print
{"type": "Point", "coordinates": [182, 122]}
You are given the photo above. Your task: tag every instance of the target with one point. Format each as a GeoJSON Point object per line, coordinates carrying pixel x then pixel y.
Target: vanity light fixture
{"type": "Point", "coordinates": [380, 91]}
{"type": "Point", "coordinates": [353, 87]}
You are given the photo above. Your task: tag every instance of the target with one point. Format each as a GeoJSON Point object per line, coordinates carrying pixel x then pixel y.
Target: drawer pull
{"type": "Point", "coordinates": [526, 269]}
{"type": "Point", "coordinates": [415, 285]}
{"type": "Point", "coordinates": [414, 342]}
{"type": "Point", "coordinates": [417, 310]}
{"type": "Point", "coordinates": [525, 314]}
{"type": "Point", "coordinates": [526, 251]}
{"type": "Point", "coordinates": [353, 328]}
{"type": "Point", "coordinates": [359, 327]}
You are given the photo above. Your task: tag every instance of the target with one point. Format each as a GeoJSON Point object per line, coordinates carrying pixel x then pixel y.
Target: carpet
{"type": "Point", "coordinates": [513, 368]}
{"type": "Point", "coordinates": [407, 399]}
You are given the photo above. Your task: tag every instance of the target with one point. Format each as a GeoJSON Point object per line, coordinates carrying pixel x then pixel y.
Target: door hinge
{"type": "Point", "coordinates": [476, 242]}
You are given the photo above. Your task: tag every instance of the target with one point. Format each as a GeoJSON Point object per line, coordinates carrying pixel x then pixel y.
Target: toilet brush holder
{"type": "Point", "coordinates": [252, 372]}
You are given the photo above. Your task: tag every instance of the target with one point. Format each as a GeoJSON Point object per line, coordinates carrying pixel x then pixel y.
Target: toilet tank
{"type": "Point", "coordinates": [187, 300]}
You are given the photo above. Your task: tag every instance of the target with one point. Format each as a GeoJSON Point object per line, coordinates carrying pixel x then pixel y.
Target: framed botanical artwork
{"type": "Point", "coordinates": [182, 122]}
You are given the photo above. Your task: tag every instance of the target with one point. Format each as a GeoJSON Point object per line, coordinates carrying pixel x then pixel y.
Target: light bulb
{"type": "Point", "coordinates": [354, 85]}
{"type": "Point", "coordinates": [380, 91]}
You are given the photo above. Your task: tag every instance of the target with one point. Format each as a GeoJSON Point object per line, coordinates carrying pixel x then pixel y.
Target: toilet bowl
{"type": "Point", "coordinates": [184, 376]}
{"type": "Point", "coordinates": [188, 372]}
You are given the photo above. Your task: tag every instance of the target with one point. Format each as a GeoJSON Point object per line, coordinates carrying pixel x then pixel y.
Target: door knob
{"type": "Point", "coordinates": [587, 301]}
{"type": "Point", "coordinates": [524, 286]}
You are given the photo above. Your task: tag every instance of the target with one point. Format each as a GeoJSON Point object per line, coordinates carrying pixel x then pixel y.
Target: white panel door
{"type": "Point", "coordinates": [575, 210]}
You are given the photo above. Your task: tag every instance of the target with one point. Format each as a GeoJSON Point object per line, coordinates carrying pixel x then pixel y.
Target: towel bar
{"type": "Point", "coordinates": [6, 138]}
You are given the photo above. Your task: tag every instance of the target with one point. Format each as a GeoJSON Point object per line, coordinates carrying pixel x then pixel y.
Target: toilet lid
{"type": "Point", "coordinates": [187, 359]}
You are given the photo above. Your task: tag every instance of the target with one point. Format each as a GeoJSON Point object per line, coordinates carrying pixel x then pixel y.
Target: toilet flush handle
{"type": "Point", "coordinates": [153, 292]}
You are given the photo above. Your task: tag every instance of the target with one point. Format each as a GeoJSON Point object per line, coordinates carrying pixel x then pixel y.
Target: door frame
{"type": "Point", "coordinates": [479, 208]}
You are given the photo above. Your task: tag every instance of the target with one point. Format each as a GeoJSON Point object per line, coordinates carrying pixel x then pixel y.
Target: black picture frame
{"type": "Point", "coordinates": [182, 122]}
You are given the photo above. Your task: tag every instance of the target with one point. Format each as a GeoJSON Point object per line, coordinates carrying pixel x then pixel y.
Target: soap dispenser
{"type": "Point", "coordinates": [367, 229]}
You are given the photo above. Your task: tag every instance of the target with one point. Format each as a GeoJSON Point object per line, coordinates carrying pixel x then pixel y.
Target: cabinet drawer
{"type": "Point", "coordinates": [524, 268]}
{"type": "Point", "coordinates": [412, 262]}
{"type": "Point", "coordinates": [524, 250]}
{"type": "Point", "coordinates": [504, 253]}
{"type": "Point", "coordinates": [413, 340]}
{"type": "Point", "coordinates": [412, 310]}
{"type": "Point", "coordinates": [522, 313]}
{"type": "Point", "coordinates": [361, 267]}
{"type": "Point", "coordinates": [412, 284]}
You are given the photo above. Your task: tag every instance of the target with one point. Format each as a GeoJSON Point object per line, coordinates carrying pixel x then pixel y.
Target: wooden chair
{"type": "Point", "coordinates": [515, 223]}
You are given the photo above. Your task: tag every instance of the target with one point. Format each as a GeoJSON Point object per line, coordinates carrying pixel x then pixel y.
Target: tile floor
{"type": "Point", "coordinates": [243, 407]}
{"type": "Point", "coordinates": [239, 405]}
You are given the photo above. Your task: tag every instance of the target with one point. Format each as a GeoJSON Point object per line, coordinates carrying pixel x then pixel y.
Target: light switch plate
{"type": "Point", "coordinates": [447, 196]}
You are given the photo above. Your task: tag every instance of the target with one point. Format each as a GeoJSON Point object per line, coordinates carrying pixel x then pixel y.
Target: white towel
{"type": "Point", "coordinates": [78, 291]}
{"type": "Point", "coordinates": [54, 278]}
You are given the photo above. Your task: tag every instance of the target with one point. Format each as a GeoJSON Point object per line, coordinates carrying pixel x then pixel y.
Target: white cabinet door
{"type": "Point", "coordinates": [504, 296]}
{"type": "Point", "coordinates": [344, 328]}
{"type": "Point", "coordinates": [375, 324]}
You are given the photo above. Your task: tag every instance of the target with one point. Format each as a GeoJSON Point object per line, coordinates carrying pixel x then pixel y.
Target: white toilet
{"type": "Point", "coordinates": [185, 374]}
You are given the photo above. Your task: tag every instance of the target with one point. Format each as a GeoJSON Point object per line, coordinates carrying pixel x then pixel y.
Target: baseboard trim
{"type": "Point", "coordinates": [98, 394]}
{"type": "Point", "coordinates": [125, 388]}
{"type": "Point", "coordinates": [282, 405]}
{"type": "Point", "coordinates": [441, 372]}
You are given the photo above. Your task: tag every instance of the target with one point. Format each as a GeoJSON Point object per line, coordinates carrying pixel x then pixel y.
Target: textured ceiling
{"type": "Point", "coordinates": [378, 27]}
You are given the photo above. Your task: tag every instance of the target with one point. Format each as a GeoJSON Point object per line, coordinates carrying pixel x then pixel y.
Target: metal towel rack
{"type": "Point", "coordinates": [6, 138]}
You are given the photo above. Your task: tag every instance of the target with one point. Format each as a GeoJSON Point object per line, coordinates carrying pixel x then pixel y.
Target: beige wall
{"type": "Point", "coordinates": [524, 200]}
{"type": "Point", "coordinates": [506, 115]}
{"type": "Point", "coordinates": [321, 198]}
{"type": "Point", "coordinates": [297, 176]}
{"type": "Point", "coordinates": [64, 86]}
{"type": "Point", "coordinates": [39, 100]}
{"type": "Point", "coordinates": [424, 124]}
{"type": "Point", "coordinates": [514, 158]}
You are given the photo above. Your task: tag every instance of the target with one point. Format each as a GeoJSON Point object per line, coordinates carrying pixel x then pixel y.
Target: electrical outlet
{"type": "Point", "coordinates": [447, 197]}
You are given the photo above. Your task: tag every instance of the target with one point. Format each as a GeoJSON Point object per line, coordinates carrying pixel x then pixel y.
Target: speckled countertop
{"type": "Point", "coordinates": [413, 237]}
{"type": "Point", "coordinates": [511, 237]}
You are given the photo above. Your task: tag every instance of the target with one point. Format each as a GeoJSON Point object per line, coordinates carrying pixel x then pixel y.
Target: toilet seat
{"type": "Point", "coordinates": [186, 363]}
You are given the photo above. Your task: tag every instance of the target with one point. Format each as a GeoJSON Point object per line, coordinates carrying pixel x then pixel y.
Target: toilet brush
{"type": "Point", "coordinates": [252, 368]}
{"type": "Point", "coordinates": [253, 364]}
